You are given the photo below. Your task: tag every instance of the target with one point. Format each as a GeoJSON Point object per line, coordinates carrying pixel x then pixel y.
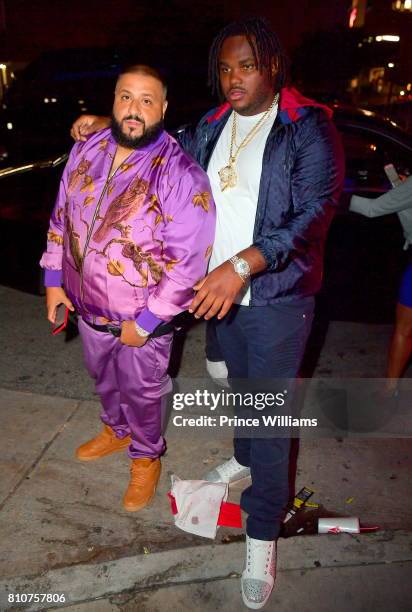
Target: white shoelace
{"type": "Point", "coordinates": [260, 553]}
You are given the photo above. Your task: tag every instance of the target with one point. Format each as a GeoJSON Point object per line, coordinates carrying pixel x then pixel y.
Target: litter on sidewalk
{"type": "Point", "coordinates": [343, 524]}
{"type": "Point", "coordinates": [199, 507]}
{"type": "Point", "coordinates": [300, 500]}
{"type": "Point", "coordinates": [304, 518]}
{"type": "Point", "coordinates": [339, 524]}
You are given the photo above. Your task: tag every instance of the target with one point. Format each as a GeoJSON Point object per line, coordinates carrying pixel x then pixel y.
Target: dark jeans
{"type": "Point", "coordinates": [213, 350]}
{"type": "Point", "coordinates": [265, 342]}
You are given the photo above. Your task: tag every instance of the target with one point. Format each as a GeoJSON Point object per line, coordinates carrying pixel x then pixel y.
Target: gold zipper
{"type": "Point", "coordinates": [89, 233]}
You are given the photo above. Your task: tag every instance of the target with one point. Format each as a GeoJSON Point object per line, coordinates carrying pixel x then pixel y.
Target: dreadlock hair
{"type": "Point", "coordinates": [264, 43]}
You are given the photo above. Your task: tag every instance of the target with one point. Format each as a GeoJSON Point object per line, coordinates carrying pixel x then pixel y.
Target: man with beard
{"type": "Point", "coordinates": [129, 236]}
{"type": "Point", "coordinates": [275, 164]}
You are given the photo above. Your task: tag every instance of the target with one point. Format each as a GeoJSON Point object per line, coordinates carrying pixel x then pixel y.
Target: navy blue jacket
{"type": "Point", "coordinates": [302, 177]}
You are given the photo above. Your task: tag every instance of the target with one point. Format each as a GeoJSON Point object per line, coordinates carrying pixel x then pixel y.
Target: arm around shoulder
{"type": "Point", "coordinates": [188, 212]}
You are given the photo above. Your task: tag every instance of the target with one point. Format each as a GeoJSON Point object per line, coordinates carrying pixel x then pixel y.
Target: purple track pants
{"type": "Point", "coordinates": [132, 384]}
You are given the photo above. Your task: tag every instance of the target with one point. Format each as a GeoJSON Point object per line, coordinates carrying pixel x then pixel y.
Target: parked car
{"type": "Point", "coordinates": [364, 257]}
{"type": "Point", "coordinates": [27, 194]}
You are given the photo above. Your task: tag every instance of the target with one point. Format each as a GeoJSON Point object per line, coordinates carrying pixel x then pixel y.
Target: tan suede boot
{"type": "Point", "coordinates": [103, 444]}
{"type": "Point", "coordinates": [145, 474]}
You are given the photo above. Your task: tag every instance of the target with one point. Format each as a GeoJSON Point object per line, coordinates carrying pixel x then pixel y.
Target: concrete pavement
{"type": "Point", "coordinates": [31, 359]}
{"type": "Point", "coordinates": [322, 573]}
{"type": "Point", "coordinates": [63, 529]}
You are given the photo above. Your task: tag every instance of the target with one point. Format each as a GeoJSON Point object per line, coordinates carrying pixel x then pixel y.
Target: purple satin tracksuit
{"type": "Point", "coordinates": [130, 246]}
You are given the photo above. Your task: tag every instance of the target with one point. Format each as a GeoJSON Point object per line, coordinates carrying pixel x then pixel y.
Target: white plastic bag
{"type": "Point", "coordinates": [198, 505]}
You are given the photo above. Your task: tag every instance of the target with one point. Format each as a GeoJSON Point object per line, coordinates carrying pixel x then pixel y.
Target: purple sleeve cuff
{"type": "Point", "coordinates": [53, 278]}
{"type": "Point", "coordinates": [148, 321]}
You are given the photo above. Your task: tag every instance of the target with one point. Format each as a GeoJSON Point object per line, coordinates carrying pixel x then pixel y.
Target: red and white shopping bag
{"type": "Point", "coordinates": [199, 507]}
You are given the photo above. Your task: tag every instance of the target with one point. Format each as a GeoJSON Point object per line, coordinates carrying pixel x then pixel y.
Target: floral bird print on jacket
{"type": "Point", "coordinates": [78, 175]}
{"type": "Point", "coordinates": [135, 242]}
{"type": "Point", "coordinates": [123, 208]}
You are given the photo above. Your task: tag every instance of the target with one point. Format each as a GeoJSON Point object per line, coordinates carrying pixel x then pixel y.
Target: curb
{"type": "Point", "coordinates": [80, 583]}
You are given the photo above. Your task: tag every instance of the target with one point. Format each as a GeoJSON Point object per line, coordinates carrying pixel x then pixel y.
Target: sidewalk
{"type": "Point", "coordinates": [63, 526]}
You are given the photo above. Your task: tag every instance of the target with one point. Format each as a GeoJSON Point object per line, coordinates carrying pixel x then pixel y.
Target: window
{"type": "Point", "coordinates": [367, 152]}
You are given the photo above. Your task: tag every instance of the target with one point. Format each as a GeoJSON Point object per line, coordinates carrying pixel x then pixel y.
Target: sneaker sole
{"type": "Point", "coordinates": [241, 483]}
{"type": "Point", "coordinates": [140, 506]}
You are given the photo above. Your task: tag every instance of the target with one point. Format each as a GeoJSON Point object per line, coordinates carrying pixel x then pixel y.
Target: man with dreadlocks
{"type": "Point", "coordinates": [275, 165]}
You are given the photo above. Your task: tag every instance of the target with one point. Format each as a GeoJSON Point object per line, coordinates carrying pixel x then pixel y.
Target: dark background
{"type": "Point", "coordinates": [315, 33]}
{"type": "Point", "coordinates": [65, 56]}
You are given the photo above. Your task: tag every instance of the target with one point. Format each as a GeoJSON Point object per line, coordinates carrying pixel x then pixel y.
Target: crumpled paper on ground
{"type": "Point", "coordinates": [198, 505]}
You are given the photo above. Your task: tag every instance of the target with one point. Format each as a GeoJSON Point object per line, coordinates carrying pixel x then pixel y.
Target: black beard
{"type": "Point", "coordinates": [149, 135]}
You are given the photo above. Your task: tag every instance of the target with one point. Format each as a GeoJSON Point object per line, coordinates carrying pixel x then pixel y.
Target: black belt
{"type": "Point", "coordinates": [183, 319]}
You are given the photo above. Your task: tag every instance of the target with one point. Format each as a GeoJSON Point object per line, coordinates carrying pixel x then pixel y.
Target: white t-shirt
{"type": "Point", "coordinates": [236, 206]}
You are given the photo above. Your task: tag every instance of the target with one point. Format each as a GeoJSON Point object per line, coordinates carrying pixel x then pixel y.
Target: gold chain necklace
{"type": "Point", "coordinates": [228, 175]}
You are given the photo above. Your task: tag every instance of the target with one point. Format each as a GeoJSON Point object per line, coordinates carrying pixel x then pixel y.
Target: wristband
{"type": "Point", "coordinates": [141, 332]}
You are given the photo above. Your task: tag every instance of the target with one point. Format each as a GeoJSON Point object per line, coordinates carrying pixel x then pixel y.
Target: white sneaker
{"type": "Point", "coordinates": [258, 577]}
{"type": "Point", "coordinates": [217, 371]}
{"type": "Point", "coordinates": [228, 472]}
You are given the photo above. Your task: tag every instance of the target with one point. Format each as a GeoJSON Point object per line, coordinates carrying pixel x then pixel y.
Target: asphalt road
{"type": "Point", "coordinates": [33, 360]}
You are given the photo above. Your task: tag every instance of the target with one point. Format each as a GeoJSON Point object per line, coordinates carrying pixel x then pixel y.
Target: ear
{"type": "Point", "coordinates": [165, 103]}
{"type": "Point", "coordinates": [274, 67]}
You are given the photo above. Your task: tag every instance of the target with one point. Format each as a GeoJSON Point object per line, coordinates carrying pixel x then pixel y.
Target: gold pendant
{"type": "Point", "coordinates": [228, 176]}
